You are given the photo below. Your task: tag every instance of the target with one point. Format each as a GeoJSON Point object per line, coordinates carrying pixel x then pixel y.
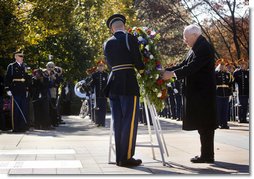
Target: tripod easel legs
{"type": "Point", "coordinates": [157, 129]}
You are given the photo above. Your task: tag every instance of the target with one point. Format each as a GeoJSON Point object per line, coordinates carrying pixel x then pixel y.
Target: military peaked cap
{"type": "Point", "coordinates": [114, 18]}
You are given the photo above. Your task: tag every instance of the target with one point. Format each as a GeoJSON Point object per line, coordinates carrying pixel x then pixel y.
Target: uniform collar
{"type": "Point", "coordinates": [119, 31]}
{"type": "Point", "coordinates": [20, 64]}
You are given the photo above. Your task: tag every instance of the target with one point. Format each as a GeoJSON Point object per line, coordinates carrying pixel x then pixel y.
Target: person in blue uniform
{"type": "Point", "coordinates": [199, 90]}
{"type": "Point", "coordinates": [17, 83]}
{"type": "Point", "coordinates": [241, 78]}
{"type": "Point", "coordinates": [100, 78]}
{"type": "Point", "coordinates": [123, 56]}
{"type": "Point", "coordinates": [178, 98]}
{"type": "Point", "coordinates": [224, 82]}
{"type": "Point", "coordinates": [232, 99]}
{"type": "Point", "coordinates": [2, 117]}
{"type": "Point", "coordinates": [171, 101]}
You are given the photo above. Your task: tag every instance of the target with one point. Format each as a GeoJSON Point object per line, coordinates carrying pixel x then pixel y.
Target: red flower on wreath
{"type": "Point", "coordinates": [146, 59]}
{"type": "Point", "coordinates": [159, 82]}
{"type": "Point", "coordinates": [158, 62]}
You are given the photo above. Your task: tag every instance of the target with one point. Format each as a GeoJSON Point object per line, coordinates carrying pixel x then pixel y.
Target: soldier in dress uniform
{"type": "Point", "coordinates": [171, 101]}
{"type": "Point", "coordinates": [224, 82]}
{"type": "Point", "coordinates": [241, 78]}
{"type": "Point", "coordinates": [232, 100]}
{"type": "Point", "coordinates": [122, 56]}
{"type": "Point", "coordinates": [100, 78]}
{"type": "Point", "coordinates": [2, 117]}
{"type": "Point", "coordinates": [178, 98]}
{"type": "Point", "coordinates": [17, 83]}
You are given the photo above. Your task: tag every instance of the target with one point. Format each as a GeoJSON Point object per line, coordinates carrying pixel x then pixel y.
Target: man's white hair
{"type": "Point", "coordinates": [193, 29]}
{"type": "Point", "coordinates": [50, 64]}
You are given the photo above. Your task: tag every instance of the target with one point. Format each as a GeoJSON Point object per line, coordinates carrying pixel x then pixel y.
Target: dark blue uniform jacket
{"type": "Point", "coordinates": [123, 82]}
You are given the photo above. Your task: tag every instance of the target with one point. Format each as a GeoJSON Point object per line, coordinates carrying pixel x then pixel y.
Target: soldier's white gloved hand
{"type": "Point", "coordinates": [9, 93]}
{"type": "Point", "coordinates": [175, 91]}
{"type": "Point", "coordinates": [169, 85]}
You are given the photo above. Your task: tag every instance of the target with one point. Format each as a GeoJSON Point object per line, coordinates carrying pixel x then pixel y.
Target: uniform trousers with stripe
{"type": "Point", "coordinates": [20, 122]}
{"type": "Point", "coordinates": [243, 108]}
{"type": "Point", "coordinates": [125, 111]}
{"type": "Point", "coordinates": [222, 110]}
{"type": "Point", "coordinates": [100, 113]}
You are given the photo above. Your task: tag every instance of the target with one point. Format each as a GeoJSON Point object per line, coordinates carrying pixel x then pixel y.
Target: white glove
{"type": "Point", "coordinates": [66, 90]}
{"type": "Point", "coordinates": [9, 93]}
{"type": "Point", "coordinates": [169, 85]}
{"type": "Point", "coordinates": [175, 90]}
{"type": "Point", "coordinates": [230, 98]}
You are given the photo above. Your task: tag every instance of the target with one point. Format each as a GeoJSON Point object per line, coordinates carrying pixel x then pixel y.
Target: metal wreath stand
{"type": "Point", "coordinates": [157, 130]}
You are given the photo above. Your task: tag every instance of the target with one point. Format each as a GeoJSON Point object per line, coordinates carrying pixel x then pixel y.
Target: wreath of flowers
{"type": "Point", "coordinates": [150, 82]}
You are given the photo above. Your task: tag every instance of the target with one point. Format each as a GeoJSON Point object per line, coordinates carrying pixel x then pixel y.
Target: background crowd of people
{"type": "Point", "coordinates": [33, 99]}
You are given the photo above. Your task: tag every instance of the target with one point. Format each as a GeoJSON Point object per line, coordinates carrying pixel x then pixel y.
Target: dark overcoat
{"type": "Point", "coordinates": [199, 89]}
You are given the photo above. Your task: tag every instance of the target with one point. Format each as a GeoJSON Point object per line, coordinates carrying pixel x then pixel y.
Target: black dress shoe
{"type": "Point", "coordinates": [224, 127]}
{"type": "Point", "coordinates": [129, 163]}
{"type": "Point", "coordinates": [62, 122]}
{"type": "Point", "coordinates": [198, 159]}
{"type": "Point", "coordinates": [244, 121]}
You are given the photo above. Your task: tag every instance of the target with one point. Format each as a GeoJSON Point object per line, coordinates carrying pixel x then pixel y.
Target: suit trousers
{"type": "Point", "coordinates": [207, 143]}
{"type": "Point", "coordinates": [125, 111]}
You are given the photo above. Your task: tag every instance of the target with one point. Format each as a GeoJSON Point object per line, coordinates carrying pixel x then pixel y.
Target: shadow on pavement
{"type": "Point", "coordinates": [218, 168]}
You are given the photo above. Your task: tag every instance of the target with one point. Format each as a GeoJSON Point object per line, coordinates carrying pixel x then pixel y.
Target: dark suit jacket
{"type": "Point", "coordinates": [198, 73]}
{"type": "Point", "coordinates": [123, 82]}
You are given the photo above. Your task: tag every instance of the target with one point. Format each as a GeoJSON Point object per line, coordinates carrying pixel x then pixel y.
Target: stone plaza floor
{"type": "Point", "coordinates": [79, 147]}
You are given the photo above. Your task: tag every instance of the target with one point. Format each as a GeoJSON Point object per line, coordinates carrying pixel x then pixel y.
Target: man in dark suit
{"type": "Point", "coordinates": [122, 56]}
{"type": "Point", "coordinates": [17, 82]}
{"type": "Point", "coordinates": [198, 73]}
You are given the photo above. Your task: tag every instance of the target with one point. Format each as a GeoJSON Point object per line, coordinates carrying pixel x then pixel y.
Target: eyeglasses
{"type": "Point", "coordinates": [21, 56]}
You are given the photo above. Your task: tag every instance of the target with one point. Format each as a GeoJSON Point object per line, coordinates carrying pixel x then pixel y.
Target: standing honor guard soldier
{"type": "Point", "coordinates": [122, 56]}
{"type": "Point", "coordinates": [241, 78]}
{"type": "Point", "coordinates": [99, 82]}
{"type": "Point", "coordinates": [16, 82]}
{"type": "Point", "coordinates": [224, 82]}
